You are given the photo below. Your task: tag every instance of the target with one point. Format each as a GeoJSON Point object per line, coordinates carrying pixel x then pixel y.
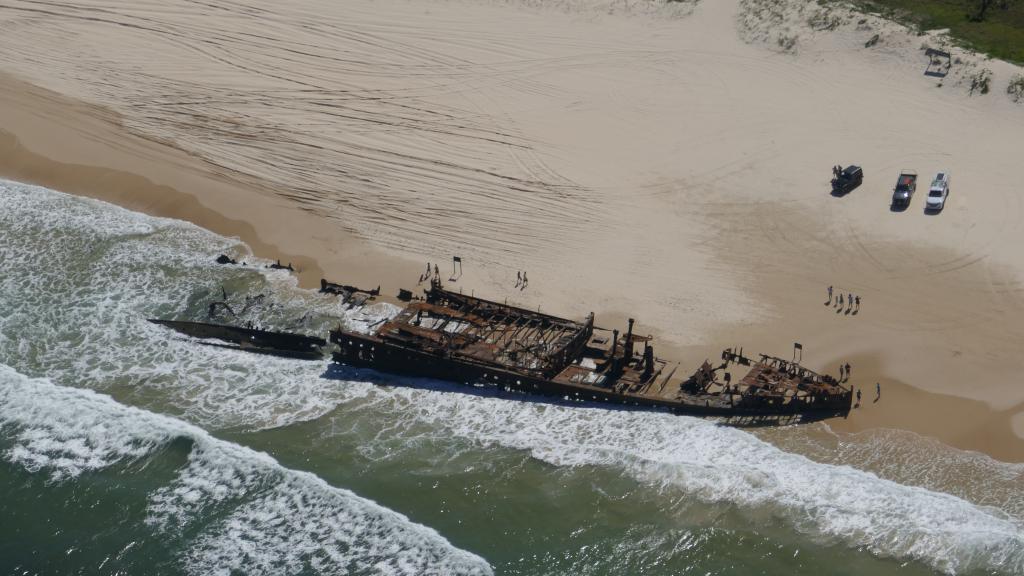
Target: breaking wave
{"type": "Point", "coordinates": [80, 321]}
{"type": "Point", "coordinates": [910, 458]}
{"type": "Point", "coordinates": [255, 515]}
{"type": "Point", "coordinates": [98, 271]}
{"type": "Point", "coordinates": [688, 456]}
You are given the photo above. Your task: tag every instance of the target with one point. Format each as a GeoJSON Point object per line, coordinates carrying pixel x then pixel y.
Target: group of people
{"type": "Point", "coordinates": [878, 392]}
{"type": "Point", "coordinates": [427, 275]}
{"type": "Point", "coordinates": [521, 280]}
{"type": "Point", "coordinates": [433, 272]}
{"type": "Point", "coordinates": [844, 372]}
{"type": "Point", "coordinates": [849, 305]}
{"type": "Point", "coordinates": [844, 376]}
{"type": "Point", "coordinates": [837, 170]}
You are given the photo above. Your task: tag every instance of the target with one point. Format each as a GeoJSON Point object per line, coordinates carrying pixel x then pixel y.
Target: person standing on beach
{"type": "Point", "coordinates": [878, 391]}
{"type": "Point", "coordinates": [847, 370]}
{"type": "Point", "coordinates": [829, 296]}
{"type": "Point", "coordinates": [858, 396]}
{"type": "Point", "coordinates": [840, 301]}
{"type": "Point", "coordinates": [841, 377]}
{"type": "Point", "coordinates": [858, 303]}
{"type": "Point", "coordinates": [519, 278]}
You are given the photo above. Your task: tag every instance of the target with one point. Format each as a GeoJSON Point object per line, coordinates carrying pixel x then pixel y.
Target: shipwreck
{"type": "Point", "coordinates": [468, 340]}
{"type": "Point", "coordinates": [250, 339]}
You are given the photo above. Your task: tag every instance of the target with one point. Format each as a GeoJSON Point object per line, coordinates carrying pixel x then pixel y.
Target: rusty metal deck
{"type": "Point", "coordinates": [463, 338]}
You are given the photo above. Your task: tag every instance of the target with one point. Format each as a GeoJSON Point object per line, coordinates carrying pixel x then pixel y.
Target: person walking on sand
{"type": "Point", "coordinates": [878, 391]}
{"type": "Point", "coordinates": [858, 303]}
{"type": "Point", "coordinates": [525, 281]}
{"type": "Point", "coordinates": [858, 396]}
{"type": "Point", "coordinates": [829, 296]}
{"type": "Point", "coordinates": [519, 278]}
{"type": "Point", "coordinates": [840, 301]}
{"type": "Point", "coordinates": [437, 271]}
{"type": "Point", "coordinates": [841, 377]}
{"type": "Point", "coordinates": [847, 371]}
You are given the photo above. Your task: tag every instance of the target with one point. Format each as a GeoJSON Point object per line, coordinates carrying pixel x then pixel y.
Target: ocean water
{"type": "Point", "coordinates": [125, 449]}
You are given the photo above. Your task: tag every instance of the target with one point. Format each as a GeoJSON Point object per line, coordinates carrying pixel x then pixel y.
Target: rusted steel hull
{"type": "Point", "coordinates": [251, 339]}
{"type": "Point", "coordinates": [468, 340]}
{"type": "Point", "coordinates": [370, 352]}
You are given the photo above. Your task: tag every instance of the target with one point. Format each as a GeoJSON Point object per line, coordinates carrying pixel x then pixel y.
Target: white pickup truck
{"type": "Point", "coordinates": [938, 192]}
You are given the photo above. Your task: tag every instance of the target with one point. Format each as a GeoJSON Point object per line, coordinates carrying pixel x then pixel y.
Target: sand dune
{"type": "Point", "coordinates": [670, 161]}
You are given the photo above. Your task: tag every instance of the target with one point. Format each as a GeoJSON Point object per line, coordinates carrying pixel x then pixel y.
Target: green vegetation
{"type": "Point", "coordinates": [1016, 88]}
{"type": "Point", "coordinates": [993, 27]}
{"type": "Point", "coordinates": [981, 82]}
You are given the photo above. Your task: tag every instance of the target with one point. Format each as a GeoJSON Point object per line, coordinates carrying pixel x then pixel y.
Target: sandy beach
{"type": "Point", "coordinates": [668, 162]}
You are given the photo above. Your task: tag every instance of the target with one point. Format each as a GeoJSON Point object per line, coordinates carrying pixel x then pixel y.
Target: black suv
{"type": "Point", "coordinates": [848, 179]}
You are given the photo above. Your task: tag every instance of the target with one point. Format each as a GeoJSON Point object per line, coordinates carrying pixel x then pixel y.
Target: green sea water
{"type": "Point", "coordinates": [125, 449]}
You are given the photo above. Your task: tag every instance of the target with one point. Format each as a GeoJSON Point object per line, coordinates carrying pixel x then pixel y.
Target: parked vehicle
{"type": "Point", "coordinates": [850, 178]}
{"type": "Point", "coordinates": [906, 184]}
{"type": "Point", "coordinates": [938, 192]}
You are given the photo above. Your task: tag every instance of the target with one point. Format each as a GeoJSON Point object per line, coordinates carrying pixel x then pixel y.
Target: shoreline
{"type": "Point", "coordinates": [53, 141]}
{"type": "Point", "coordinates": [123, 189]}
{"type": "Point", "coordinates": [690, 252]}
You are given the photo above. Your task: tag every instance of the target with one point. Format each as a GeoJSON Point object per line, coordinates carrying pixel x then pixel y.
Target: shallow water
{"type": "Point", "coordinates": [127, 449]}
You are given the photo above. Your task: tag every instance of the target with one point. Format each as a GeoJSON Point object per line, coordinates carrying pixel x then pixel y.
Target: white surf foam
{"type": "Point", "coordinates": [910, 458]}
{"type": "Point", "coordinates": [96, 272]}
{"type": "Point", "coordinates": [277, 521]}
{"type": "Point", "coordinates": [835, 504]}
{"type": "Point", "coordinates": [214, 387]}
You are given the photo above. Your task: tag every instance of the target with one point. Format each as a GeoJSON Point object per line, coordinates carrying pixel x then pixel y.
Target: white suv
{"type": "Point", "coordinates": [938, 192]}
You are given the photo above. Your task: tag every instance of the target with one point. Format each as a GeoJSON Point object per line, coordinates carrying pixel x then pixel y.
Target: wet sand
{"type": "Point", "coordinates": [650, 163]}
{"type": "Point", "coordinates": [63, 144]}
{"type": "Point", "coordinates": [960, 422]}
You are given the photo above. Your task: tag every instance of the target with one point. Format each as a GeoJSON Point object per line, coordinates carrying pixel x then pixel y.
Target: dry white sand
{"type": "Point", "coordinates": [670, 162]}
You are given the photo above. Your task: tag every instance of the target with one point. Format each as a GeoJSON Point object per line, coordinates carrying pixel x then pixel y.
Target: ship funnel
{"type": "Point", "coordinates": [628, 355]}
{"type": "Point", "coordinates": [648, 362]}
